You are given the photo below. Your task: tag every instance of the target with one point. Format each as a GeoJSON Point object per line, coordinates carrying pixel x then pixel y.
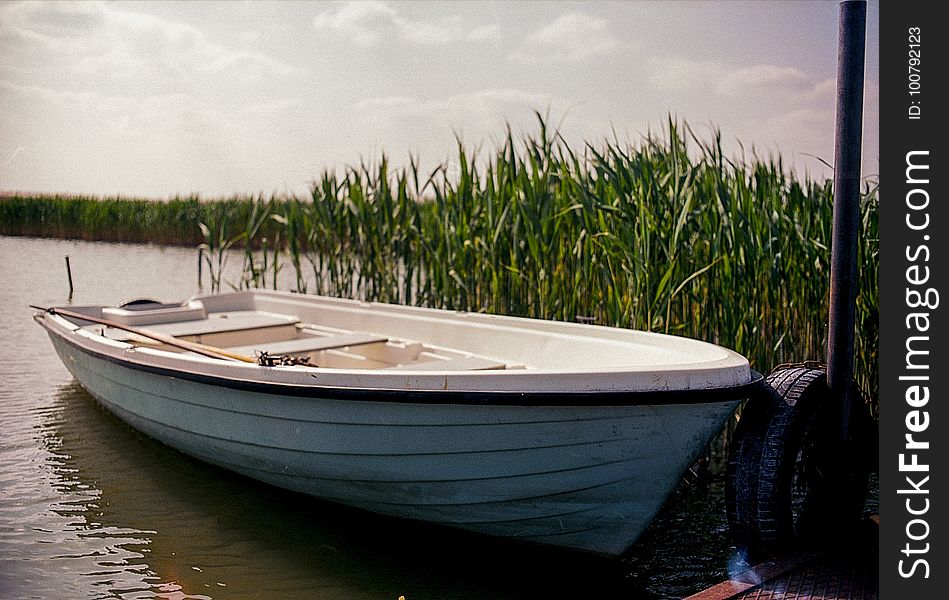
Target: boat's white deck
{"type": "Point", "coordinates": [366, 345]}
{"type": "Point", "coordinates": [371, 345]}
{"type": "Point", "coordinates": [253, 332]}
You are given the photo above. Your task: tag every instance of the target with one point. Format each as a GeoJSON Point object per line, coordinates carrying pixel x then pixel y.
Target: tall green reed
{"type": "Point", "coordinates": [670, 235]}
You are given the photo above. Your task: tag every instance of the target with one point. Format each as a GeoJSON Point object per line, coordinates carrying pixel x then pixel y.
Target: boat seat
{"type": "Point", "coordinates": [462, 363]}
{"type": "Point", "coordinates": [223, 322]}
{"type": "Point", "coordinates": [142, 313]}
{"type": "Point", "coordinates": [311, 344]}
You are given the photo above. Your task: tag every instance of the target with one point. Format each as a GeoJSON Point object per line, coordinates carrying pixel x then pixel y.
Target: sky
{"type": "Point", "coordinates": [159, 99]}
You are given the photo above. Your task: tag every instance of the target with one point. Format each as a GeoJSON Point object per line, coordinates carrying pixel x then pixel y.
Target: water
{"type": "Point", "coordinates": [89, 508]}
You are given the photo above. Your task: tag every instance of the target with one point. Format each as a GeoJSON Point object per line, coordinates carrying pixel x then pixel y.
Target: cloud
{"type": "Point", "coordinates": [368, 23]}
{"type": "Point", "coordinates": [822, 91]}
{"type": "Point", "coordinates": [486, 106]}
{"type": "Point", "coordinates": [363, 22]}
{"type": "Point", "coordinates": [803, 121]}
{"type": "Point", "coordinates": [791, 128]}
{"type": "Point", "coordinates": [571, 37]}
{"type": "Point", "coordinates": [425, 125]}
{"type": "Point", "coordinates": [485, 33]}
{"type": "Point", "coordinates": [476, 116]}
{"type": "Point", "coordinates": [763, 77]}
{"type": "Point", "coordinates": [784, 109]}
{"type": "Point", "coordinates": [674, 74]}
{"type": "Point", "coordinates": [677, 74]}
{"type": "Point", "coordinates": [124, 114]}
{"type": "Point", "coordinates": [16, 153]}
{"type": "Point", "coordinates": [94, 39]}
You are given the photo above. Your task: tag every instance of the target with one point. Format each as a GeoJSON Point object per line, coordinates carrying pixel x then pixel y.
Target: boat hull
{"type": "Point", "coordinates": [585, 476]}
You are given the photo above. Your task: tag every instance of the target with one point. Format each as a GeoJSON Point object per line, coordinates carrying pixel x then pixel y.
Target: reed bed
{"type": "Point", "coordinates": [172, 222]}
{"type": "Point", "coordinates": [669, 235]}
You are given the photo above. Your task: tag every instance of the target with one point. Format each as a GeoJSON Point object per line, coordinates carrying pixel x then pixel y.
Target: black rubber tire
{"type": "Point", "coordinates": [789, 476]}
{"type": "Point", "coordinates": [744, 461]}
{"type": "Point", "coordinates": [809, 486]}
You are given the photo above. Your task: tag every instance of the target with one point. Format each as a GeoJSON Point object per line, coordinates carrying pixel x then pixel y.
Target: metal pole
{"type": "Point", "coordinates": [843, 262]}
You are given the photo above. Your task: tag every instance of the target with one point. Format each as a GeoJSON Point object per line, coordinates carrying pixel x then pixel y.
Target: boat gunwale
{"type": "Point", "coordinates": [584, 398]}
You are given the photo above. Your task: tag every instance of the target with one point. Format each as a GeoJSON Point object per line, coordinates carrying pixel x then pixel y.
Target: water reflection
{"type": "Point", "coordinates": [172, 526]}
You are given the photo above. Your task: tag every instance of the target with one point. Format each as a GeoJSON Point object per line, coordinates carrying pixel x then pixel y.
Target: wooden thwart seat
{"type": "Point", "coordinates": [225, 322]}
{"type": "Point", "coordinates": [216, 323]}
{"type": "Point", "coordinates": [311, 344]}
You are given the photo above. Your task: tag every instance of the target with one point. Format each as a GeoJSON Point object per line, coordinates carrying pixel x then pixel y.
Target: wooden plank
{"type": "Point", "coordinates": [753, 576]}
{"type": "Point", "coordinates": [311, 344]}
{"type": "Point", "coordinates": [224, 322]}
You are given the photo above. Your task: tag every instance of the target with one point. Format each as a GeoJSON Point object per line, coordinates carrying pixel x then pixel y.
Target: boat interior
{"type": "Point", "coordinates": [263, 335]}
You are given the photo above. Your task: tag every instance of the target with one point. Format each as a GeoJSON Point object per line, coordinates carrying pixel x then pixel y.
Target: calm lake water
{"type": "Point", "coordinates": [89, 508]}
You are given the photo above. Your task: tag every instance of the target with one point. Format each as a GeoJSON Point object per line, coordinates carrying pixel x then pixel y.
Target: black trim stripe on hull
{"type": "Point", "coordinates": [479, 398]}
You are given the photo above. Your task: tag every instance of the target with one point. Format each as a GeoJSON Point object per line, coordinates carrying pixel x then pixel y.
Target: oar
{"type": "Point", "coordinates": [171, 340]}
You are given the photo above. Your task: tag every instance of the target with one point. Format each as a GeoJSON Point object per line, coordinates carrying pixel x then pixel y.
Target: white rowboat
{"type": "Point", "coordinates": [558, 433]}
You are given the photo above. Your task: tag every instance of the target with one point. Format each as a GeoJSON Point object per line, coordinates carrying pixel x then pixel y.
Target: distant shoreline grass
{"type": "Point", "coordinates": [115, 219]}
{"type": "Point", "coordinates": [669, 235]}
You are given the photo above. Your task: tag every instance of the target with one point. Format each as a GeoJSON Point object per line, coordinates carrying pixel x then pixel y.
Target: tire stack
{"type": "Point", "coordinates": [792, 479]}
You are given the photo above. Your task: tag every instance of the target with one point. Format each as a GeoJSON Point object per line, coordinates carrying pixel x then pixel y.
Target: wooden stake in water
{"type": "Point", "coordinates": [200, 256]}
{"type": "Point", "coordinates": [69, 277]}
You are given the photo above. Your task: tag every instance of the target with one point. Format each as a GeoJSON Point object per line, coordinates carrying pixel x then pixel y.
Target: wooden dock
{"type": "Point", "coordinates": [846, 570]}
